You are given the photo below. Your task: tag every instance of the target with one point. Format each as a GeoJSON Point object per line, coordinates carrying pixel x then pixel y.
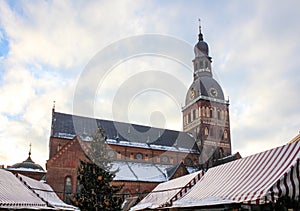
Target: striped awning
{"type": "Point", "coordinates": [257, 179]}
{"type": "Point", "coordinates": [165, 193]}
{"type": "Point", "coordinates": [14, 195]}
{"type": "Point", "coordinates": [46, 193]}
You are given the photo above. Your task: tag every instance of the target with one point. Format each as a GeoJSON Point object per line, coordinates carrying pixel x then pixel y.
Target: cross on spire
{"type": "Point", "coordinates": [29, 150]}
{"type": "Point", "coordinates": [200, 36]}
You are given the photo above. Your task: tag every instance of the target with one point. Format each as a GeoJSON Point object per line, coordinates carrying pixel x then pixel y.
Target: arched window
{"type": "Point", "coordinates": [207, 112]}
{"type": "Point", "coordinates": [203, 111]}
{"type": "Point", "coordinates": [219, 114]}
{"type": "Point", "coordinates": [189, 118]}
{"type": "Point", "coordinates": [211, 113]}
{"type": "Point", "coordinates": [225, 134]}
{"type": "Point", "coordinates": [221, 135]}
{"type": "Point", "coordinates": [222, 114]}
{"type": "Point", "coordinates": [194, 114]}
{"type": "Point", "coordinates": [205, 64]}
{"type": "Point", "coordinates": [211, 132]}
{"type": "Point", "coordinates": [68, 189]}
{"type": "Point", "coordinates": [206, 131]}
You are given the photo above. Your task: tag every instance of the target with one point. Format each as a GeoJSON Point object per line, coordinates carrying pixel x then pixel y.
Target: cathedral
{"type": "Point", "coordinates": [206, 112]}
{"type": "Point", "coordinates": [144, 161]}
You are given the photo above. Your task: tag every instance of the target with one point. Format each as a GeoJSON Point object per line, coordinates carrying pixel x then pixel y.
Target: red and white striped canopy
{"type": "Point", "coordinates": [165, 193]}
{"type": "Point", "coordinates": [257, 179]}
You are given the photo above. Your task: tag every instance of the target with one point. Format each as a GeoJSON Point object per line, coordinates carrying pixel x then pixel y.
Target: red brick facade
{"type": "Point", "coordinates": [65, 155]}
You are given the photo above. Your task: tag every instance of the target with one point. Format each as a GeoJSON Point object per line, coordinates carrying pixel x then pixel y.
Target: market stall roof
{"type": "Point", "coordinates": [165, 193]}
{"type": "Point", "coordinates": [257, 179]}
{"type": "Point", "coordinates": [15, 195]}
{"type": "Point", "coordinates": [46, 193]}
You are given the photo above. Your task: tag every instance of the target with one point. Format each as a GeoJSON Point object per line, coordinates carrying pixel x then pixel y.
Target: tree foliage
{"type": "Point", "coordinates": [94, 177]}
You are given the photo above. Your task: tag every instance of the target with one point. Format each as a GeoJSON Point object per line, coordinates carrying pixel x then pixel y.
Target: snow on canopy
{"type": "Point", "coordinates": [15, 195]}
{"type": "Point", "coordinates": [46, 193]}
{"type": "Point", "coordinates": [165, 193]}
{"type": "Point", "coordinates": [256, 179]}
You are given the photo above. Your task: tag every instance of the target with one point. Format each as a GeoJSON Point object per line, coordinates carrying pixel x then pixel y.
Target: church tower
{"type": "Point", "coordinates": [206, 112]}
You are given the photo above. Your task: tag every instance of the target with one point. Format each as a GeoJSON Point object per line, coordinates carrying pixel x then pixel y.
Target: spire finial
{"type": "Point", "coordinates": [200, 36]}
{"type": "Point", "coordinates": [53, 108]}
{"type": "Point", "coordinates": [29, 150]}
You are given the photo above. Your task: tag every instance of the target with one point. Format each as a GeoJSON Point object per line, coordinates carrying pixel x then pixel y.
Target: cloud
{"type": "Point", "coordinates": [254, 45]}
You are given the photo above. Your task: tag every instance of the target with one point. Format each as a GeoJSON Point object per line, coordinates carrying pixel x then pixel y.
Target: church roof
{"type": "Point", "coordinates": [202, 87]}
{"type": "Point", "coordinates": [120, 133]}
{"type": "Point", "coordinates": [27, 165]}
{"type": "Point", "coordinates": [146, 172]}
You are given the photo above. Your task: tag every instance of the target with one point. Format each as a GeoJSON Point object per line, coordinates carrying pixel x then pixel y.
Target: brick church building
{"type": "Point", "coordinates": [147, 156]}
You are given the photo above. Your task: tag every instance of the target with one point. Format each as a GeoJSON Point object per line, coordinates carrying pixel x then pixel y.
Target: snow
{"type": "Point", "coordinates": [133, 144]}
{"type": "Point", "coordinates": [135, 171]}
{"type": "Point", "coordinates": [26, 169]}
{"type": "Point", "coordinates": [45, 192]}
{"type": "Point", "coordinates": [13, 194]}
{"type": "Point", "coordinates": [208, 201]}
{"type": "Point", "coordinates": [151, 146]}
{"type": "Point", "coordinates": [164, 193]}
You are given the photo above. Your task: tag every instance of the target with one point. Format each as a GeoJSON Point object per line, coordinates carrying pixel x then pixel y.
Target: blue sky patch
{"type": "Point", "coordinates": [4, 44]}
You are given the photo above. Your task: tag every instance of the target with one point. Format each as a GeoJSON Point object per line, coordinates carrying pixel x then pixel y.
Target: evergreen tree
{"type": "Point", "coordinates": [94, 178]}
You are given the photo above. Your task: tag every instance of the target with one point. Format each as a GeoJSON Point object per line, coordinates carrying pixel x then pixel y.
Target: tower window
{"type": "Point", "coordinates": [206, 131]}
{"type": "Point", "coordinates": [205, 64]}
{"type": "Point", "coordinates": [189, 118]}
{"type": "Point", "coordinates": [211, 113]}
{"type": "Point", "coordinates": [203, 111]}
{"type": "Point", "coordinates": [211, 132]}
{"type": "Point", "coordinates": [207, 112]}
{"type": "Point", "coordinates": [221, 135]}
{"type": "Point", "coordinates": [225, 134]}
{"type": "Point", "coordinates": [219, 114]}
{"type": "Point", "coordinates": [194, 114]}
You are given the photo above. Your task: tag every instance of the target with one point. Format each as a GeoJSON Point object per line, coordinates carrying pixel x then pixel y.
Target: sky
{"type": "Point", "coordinates": [132, 61]}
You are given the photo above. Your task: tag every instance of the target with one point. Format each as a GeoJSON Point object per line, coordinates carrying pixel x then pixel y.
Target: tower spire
{"type": "Point", "coordinates": [29, 150]}
{"type": "Point", "coordinates": [200, 36]}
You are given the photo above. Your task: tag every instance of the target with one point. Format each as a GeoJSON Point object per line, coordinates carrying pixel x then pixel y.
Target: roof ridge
{"type": "Point", "coordinates": [134, 124]}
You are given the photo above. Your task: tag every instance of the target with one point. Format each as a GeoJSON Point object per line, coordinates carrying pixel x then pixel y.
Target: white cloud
{"type": "Point", "coordinates": [255, 48]}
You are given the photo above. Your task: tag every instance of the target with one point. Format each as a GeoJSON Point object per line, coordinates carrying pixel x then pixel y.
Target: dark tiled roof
{"type": "Point", "coordinates": [67, 126]}
{"type": "Point", "coordinates": [27, 164]}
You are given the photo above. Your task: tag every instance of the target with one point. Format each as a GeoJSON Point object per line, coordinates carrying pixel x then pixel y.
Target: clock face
{"type": "Point", "coordinates": [213, 92]}
{"type": "Point", "coordinates": [192, 95]}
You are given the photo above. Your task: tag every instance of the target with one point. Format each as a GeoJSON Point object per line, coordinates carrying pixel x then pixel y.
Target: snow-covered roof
{"type": "Point", "coordinates": [21, 192]}
{"type": "Point", "coordinates": [151, 146]}
{"type": "Point", "coordinates": [119, 133]}
{"type": "Point", "coordinates": [26, 170]}
{"type": "Point", "coordinates": [165, 193]}
{"type": "Point", "coordinates": [46, 193]}
{"type": "Point", "coordinates": [15, 195]}
{"type": "Point", "coordinates": [256, 179]}
{"type": "Point", "coordinates": [138, 171]}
